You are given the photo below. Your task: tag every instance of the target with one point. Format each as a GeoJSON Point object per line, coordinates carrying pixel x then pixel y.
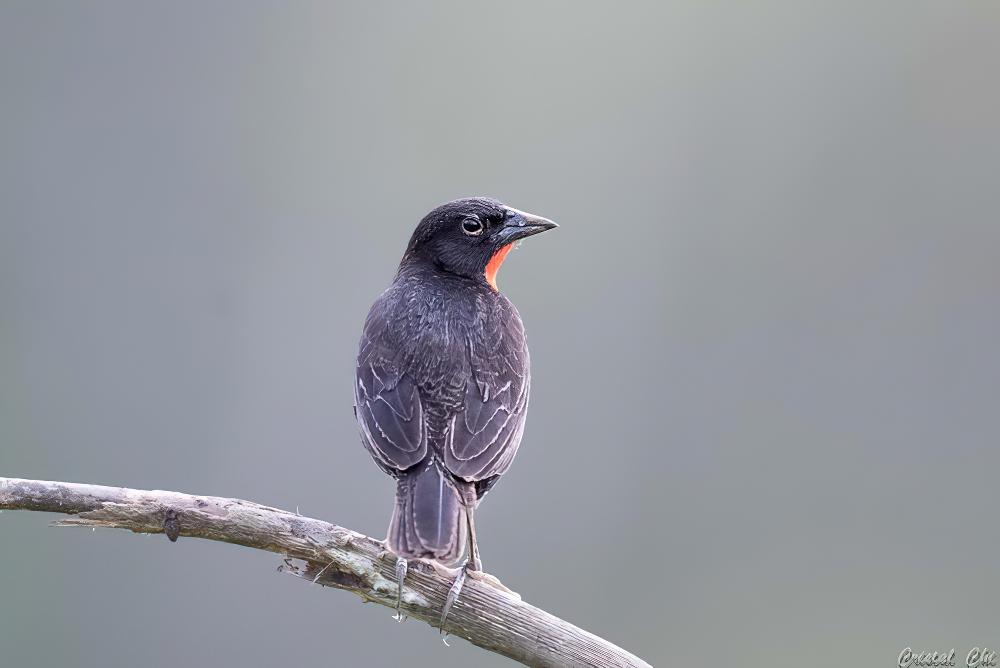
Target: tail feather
{"type": "Point", "coordinates": [427, 522]}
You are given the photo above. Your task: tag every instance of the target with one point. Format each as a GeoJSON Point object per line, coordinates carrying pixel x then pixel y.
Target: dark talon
{"type": "Point", "coordinates": [172, 525]}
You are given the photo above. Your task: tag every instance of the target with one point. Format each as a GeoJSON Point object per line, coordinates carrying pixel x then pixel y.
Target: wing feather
{"type": "Point", "coordinates": [389, 412]}
{"type": "Point", "coordinates": [485, 435]}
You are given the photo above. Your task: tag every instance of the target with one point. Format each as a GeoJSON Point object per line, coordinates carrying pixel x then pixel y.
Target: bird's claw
{"type": "Point", "coordinates": [401, 567]}
{"type": "Point", "coordinates": [453, 594]}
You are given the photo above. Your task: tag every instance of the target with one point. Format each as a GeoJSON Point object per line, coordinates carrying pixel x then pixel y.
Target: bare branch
{"type": "Point", "coordinates": [487, 614]}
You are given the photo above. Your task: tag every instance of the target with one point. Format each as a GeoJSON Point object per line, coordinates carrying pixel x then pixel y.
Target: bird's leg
{"type": "Point", "coordinates": [472, 563]}
{"type": "Point", "coordinates": [400, 576]}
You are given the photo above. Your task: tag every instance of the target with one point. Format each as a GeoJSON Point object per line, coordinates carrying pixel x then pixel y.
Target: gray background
{"type": "Point", "coordinates": [764, 421]}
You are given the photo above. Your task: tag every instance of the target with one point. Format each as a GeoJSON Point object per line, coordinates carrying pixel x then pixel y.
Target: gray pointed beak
{"type": "Point", "coordinates": [521, 224]}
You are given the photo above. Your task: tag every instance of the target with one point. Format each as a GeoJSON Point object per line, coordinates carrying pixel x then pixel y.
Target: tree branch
{"type": "Point", "coordinates": [487, 614]}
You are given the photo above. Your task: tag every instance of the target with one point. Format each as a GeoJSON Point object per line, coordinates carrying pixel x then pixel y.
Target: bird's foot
{"type": "Point", "coordinates": [401, 567]}
{"type": "Point", "coordinates": [456, 588]}
{"type": "Point", "coordinates": [453, 593]}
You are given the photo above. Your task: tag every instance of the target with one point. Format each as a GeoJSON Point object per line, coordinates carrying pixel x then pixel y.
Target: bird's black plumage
{"type": "Point", "coordinates": [443, 375]}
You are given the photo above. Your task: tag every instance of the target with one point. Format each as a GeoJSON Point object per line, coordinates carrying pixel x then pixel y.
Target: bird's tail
{"type": "Point", "coordinates": [428, 520]}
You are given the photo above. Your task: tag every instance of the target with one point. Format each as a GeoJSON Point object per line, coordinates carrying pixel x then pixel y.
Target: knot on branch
{"type": "Point", "coordinates": [172, 524]}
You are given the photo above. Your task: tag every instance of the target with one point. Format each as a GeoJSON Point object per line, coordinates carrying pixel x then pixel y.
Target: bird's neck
{"type": "Point", "coordinates": [415, 266]}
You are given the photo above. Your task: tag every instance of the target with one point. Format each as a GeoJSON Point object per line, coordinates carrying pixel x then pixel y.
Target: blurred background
{"type": "Point", "coordinates": [764, 336]}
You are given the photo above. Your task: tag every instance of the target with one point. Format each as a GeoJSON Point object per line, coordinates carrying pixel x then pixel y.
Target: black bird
{"type": "Point", "coordinates": [443, 379]}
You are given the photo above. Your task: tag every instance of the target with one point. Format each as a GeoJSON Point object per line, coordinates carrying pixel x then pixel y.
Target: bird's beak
{"type": "Point", "coordinates": [520, 224]}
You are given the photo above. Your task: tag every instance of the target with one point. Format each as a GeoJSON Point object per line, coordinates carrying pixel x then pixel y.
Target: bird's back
{"type": "Point", "coordinates": [456, 347]}
{"type": "Point", "coordinates": [442, 390]}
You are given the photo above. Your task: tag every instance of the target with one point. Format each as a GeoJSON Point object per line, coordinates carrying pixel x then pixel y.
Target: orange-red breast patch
{"type": "Point", "coordinates": [493, 266]}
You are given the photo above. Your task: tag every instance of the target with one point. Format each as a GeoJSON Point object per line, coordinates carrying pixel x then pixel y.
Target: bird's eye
{"type": "Point", "coordinates": [472, 226]}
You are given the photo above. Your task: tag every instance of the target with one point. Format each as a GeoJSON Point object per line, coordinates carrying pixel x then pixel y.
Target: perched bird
{"type": "Point", "coordinates": [443, 377]}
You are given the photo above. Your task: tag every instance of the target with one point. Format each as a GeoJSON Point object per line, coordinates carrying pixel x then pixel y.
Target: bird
{"type": "Point", "coordinates": [442, 381]}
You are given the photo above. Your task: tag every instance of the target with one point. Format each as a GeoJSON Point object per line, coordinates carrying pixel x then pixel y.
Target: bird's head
{"type": "Point", "coordinates": [471, 237]}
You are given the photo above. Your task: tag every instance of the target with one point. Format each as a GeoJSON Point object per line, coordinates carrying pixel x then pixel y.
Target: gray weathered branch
{"type": "Point", "coordinates": [487, 614]}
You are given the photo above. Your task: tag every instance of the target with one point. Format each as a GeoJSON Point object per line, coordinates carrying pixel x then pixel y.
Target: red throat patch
{"type": "Point", "coordinates": [493, 266]}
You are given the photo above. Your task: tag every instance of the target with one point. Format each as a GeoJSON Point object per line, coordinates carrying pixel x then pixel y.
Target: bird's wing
{"type": "Point", "coordinates": [388, 409]}
{"type": "Point", "coordinates": [484, 436]}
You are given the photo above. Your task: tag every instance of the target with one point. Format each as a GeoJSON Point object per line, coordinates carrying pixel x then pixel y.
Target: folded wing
{"type": "Point", "coordinates": [389, 413]}
{"type": "Point", "coordinates": [485, 434]}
